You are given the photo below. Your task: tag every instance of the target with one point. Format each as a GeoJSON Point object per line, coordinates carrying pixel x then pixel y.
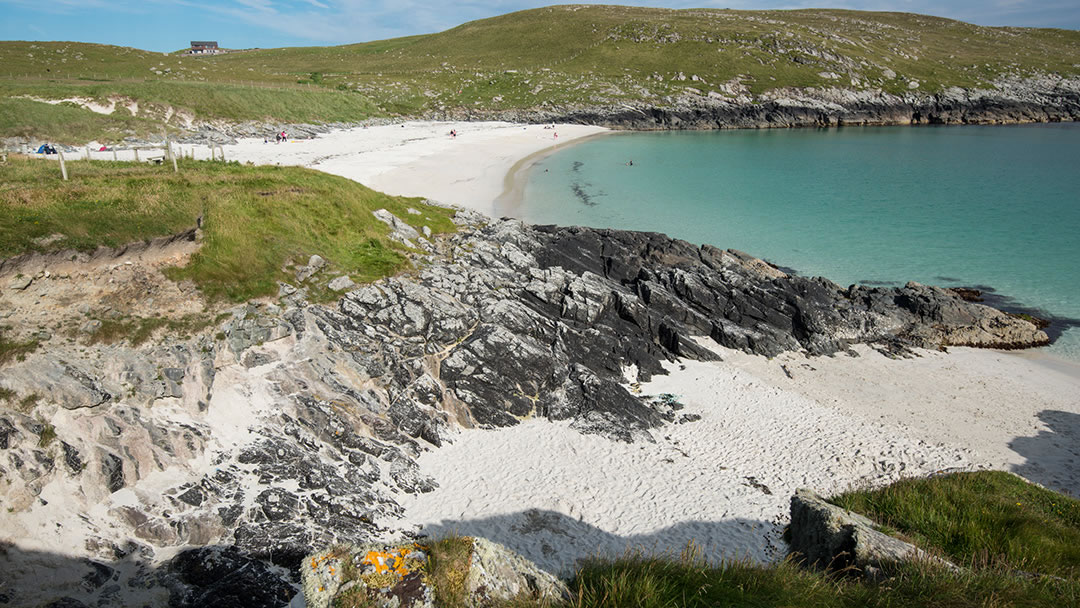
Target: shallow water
{"type": "Point", "coordinates": [997, 208]}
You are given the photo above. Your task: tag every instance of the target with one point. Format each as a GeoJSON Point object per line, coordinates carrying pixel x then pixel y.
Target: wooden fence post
{"type": "Point", "coordinates": [136, 155]}
{"type": "Point", "coordinates": [114, 154]}
{"type": "Point", "coordinates": [63, 167]}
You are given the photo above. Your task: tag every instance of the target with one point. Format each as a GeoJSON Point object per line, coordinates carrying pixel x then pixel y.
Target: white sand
{"type": "Point", "coordinates": [558, 496]}
{"type": "Point", "coordinates": [420, 158]}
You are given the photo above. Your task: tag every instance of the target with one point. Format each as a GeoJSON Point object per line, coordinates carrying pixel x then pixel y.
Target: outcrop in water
{"type": "Point", "coordinates": [292, 427]}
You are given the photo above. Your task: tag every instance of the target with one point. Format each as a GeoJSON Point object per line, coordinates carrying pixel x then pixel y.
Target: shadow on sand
{"type": "Point", "coordinates": [556, 542]}
{"type": "Point", "coordinates": [1053, 455]}
{"type": "Point", "coordinates": [220, 576]}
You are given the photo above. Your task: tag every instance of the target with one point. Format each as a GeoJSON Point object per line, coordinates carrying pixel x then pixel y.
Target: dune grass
{"type": "Point", "coordinates": [259, 223]}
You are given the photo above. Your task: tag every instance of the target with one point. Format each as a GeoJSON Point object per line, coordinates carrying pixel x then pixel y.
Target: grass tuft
{"type": "Point", "coordinates": [449, 559]}
{"type": "Point", "coordinates": [13, 350]}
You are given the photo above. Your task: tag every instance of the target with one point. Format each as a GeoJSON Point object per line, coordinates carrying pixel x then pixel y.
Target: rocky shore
{"type": "Point", "coordinates": [1048, 98]}
{"type": "Point", "coordinates": [208, 467]}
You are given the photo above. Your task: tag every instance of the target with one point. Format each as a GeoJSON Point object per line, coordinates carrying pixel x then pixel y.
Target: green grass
{"type": "Point", "coordinates": [985, 519]}
{"type": "Point", "coordinates": [259, 223]}
{"type": "Point", "coordinates": [649, 582]}
{"type": "Point", "coordinates": [448, 566]}
{"type": "Point", "coordinates": [48, 435]}
{"type": "Point", "coordinates": [138, 330]}
{"type": "Point", "coordinates": [14, 350]}
{"type": "Point", "coordinates": [554, 58]}
{"type": "Point", "coordinates": [21, 116]}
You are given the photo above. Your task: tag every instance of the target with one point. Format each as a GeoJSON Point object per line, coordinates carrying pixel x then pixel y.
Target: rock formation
{"type": "Point", "coordinates": [172, 469]}
{"type": "Point", "coordinates": [390, 576]}
{"type": "Point", "coordinates": [826, 536]}
{"type": "Point", "coordinates": [1047, 98]}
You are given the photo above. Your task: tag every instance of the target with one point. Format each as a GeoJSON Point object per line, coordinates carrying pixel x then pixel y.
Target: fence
{"type": "Point", "coordinates": [165, 154]}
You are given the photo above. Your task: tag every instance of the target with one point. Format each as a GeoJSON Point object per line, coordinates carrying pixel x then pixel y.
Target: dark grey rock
{"type": "Point", "coordinates": [226, 578]}
{"type": "Point", "coordinates": [72, 458]}
{"type": "Point", "coordinates": [112, 469]}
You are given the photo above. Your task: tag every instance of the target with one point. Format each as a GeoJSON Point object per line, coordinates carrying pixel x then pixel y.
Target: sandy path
{"type": "Point", "coordinates": [420, 158]}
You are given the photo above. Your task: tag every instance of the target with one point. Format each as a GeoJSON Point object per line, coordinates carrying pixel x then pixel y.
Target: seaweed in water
{"type": "Point", "coordinates": [583, 196]}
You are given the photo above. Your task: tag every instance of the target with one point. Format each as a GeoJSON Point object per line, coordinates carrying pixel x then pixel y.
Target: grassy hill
{"type": "Point", "coordinates": [548, 58]}
{"type": "Point", "coordinates": [259, 223]}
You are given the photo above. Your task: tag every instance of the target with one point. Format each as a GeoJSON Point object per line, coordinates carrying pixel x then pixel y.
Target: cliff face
{"type": "Point", "coordinates": [187, 472]}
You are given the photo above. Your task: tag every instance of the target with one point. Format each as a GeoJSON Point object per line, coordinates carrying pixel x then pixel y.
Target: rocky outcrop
{"type": "Point", "coordinates": [1046, 98]}
{"type": "Point", "coordinates": [475, 571]}
{"type": "Point", "coordinates": [288, 427]}
{"type": "Point", "coordinates": [825, 536]}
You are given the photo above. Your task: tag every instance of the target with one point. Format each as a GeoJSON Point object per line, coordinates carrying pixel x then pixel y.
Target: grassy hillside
{"type": "Point", "coordinates": [555, 57]}
{"type": "Point", "coordinates": [258, 222]}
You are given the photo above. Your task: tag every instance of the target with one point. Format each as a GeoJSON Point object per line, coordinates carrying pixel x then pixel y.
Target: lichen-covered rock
{"type": "Point", "coordinates": [497, 574]}
{"type": "Point", "coordinates": [402, 576]}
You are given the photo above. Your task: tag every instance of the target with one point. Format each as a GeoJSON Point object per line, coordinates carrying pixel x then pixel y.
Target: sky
{"type": "Point", "coordinates": [169, 25]}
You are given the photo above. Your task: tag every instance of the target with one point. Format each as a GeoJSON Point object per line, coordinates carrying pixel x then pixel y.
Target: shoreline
{"type": "Point", "coordinates": [514, 182]}
{"type": "Point", "coordinates": [420, 158]}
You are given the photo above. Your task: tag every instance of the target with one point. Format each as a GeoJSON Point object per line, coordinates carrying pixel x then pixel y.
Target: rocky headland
{"type": "Point", "coordinates": [1045, 99]}
{"type": "Point", "coordinates": [189, 471]}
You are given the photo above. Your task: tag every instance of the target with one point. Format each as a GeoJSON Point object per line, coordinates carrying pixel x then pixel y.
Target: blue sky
{"type": "Point", "coordinates": [168, 25]}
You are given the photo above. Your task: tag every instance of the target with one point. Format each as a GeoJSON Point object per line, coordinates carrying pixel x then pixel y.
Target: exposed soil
{"type": "Point", "coordinates": [69, 291]}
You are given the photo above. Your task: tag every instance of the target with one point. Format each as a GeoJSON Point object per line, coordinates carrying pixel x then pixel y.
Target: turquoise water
{"type": "Point", "coordinates": [992, 207]}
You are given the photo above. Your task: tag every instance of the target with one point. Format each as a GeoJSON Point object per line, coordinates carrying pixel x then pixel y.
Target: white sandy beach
{"type": "Point", "coordinates": [420, 158]}
{"type": "Point", "coordinates": [725, 481]}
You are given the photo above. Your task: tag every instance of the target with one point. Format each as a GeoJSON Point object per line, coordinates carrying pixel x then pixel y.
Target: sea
{"type": "Point", "coordinates": [996, 208]}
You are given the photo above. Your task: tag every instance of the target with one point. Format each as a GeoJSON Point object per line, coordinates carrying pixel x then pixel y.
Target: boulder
{"type": "Point", "coordinates": [400, 231]}
{"type": "Point", "coordinates": [832, 538]}
{"type": "Point", "coordinates": [342, 283]}
{"type": "Point", "coordinates": [314, 265]}
{"type": "Point", "coordinates": [404, 576]}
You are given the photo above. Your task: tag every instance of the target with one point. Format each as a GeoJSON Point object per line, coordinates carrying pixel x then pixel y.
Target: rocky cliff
{"type": "Point", "coordinates": [201, 471]}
